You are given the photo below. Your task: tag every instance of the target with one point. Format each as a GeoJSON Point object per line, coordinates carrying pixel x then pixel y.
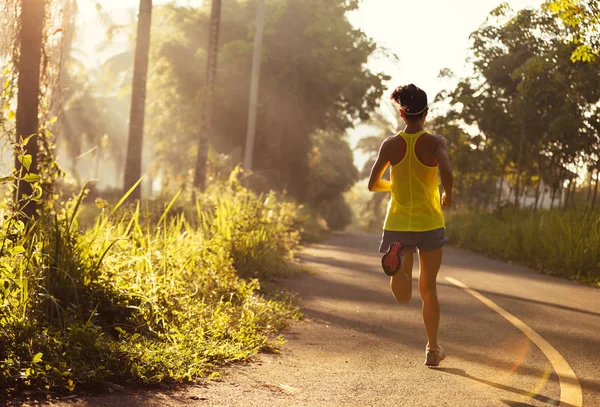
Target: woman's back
{"type": "Point", "coordinates": [415, 199]}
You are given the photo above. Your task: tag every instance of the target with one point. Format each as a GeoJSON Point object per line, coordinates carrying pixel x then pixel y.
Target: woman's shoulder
{"type": "Point", "coordinates": [393, 141]}
{"type": "Point", "coordinates": [433, 138]}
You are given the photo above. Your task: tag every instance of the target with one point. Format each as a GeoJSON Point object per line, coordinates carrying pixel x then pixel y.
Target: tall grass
{"type": "Point", "coordinates": [565, 243]}
{"type": "Point", "coordinates": [133, 298]}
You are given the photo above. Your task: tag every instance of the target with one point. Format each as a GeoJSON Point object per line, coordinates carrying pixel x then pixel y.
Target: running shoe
{"type": "Point", "coordinates": [433, 357]}
{"type": "Point", "coordinates": [392, 260]}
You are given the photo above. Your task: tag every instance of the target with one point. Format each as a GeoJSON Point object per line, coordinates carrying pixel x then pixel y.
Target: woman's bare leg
{"type": "Point", "coordinates": [429, 265]}
{"type": "Point", "coordinates": [401, 282]}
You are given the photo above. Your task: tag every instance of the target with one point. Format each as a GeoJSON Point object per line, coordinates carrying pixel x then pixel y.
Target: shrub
{"type": "Point", "coordinates": [135, 298]}
{"type": "Point", "coordinates": [557, 242]}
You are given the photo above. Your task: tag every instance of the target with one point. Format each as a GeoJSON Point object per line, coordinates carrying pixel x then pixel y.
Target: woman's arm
{"type": "Point", "coordinates": [376, 184]}
{"type": "Point", "coordinates": [443, 157]}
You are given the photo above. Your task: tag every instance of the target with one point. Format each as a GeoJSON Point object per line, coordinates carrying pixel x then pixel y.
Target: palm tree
{"type": "Point", "coordinates": [31, 40]}
{"type": "Point", "coordinates": [133, 163]}
{"type": "Point", "coordinates": [211, 73]}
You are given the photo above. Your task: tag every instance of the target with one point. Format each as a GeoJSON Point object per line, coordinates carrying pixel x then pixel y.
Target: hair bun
{"type": "Point", "coordinates": [410, 98]}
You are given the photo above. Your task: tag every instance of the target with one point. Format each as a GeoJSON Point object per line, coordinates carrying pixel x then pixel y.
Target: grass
{"type": "Point", "coordinates": [564, 243]}
{"type": "Point", "coordinates": [143, 296]}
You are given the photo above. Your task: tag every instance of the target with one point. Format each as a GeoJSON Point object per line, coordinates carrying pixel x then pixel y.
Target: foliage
{"type": "Point", "coordinates": [534, 109]}
{"type": "Point", "coordinates": [369, 214]}
{"type": "Point", "coordinates": [332, 173]}
{"type": "Point", "coordinates": [305, 88]}
{"type": "Point", "coordinates": [135, 299]}
{"type": "Point", "coordinates": [583, 17]}
{"type": "Point", "coordinates": [569, 246]}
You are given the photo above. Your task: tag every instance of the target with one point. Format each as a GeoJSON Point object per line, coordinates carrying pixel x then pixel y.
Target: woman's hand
{"type": "Point", "coordinates": [446, 200]}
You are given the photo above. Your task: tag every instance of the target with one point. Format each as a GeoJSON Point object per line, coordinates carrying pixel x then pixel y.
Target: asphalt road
{"type": "Point", "coordinates": [357, 347]}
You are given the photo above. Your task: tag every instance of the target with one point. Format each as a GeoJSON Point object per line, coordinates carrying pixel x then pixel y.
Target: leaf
{"type": "Point", "coordinates": [37, 358]}
{"type": "Point", "coordinates": [53, 120]}
{"type": "Point", "coordinates": [124, 198]}
{"type": "Point", "coordinates": [4, 180]}
{"type": "Point", "coordinates": [25, 160]}
{"type": "Point", "coordinates": [11, 115]}
{"type": "Point", "coordinates": [17, 250]}
{"type": "Point", "coordinates": [164, 215]}
{"type": "Point", "coordinates": [26, 141]}
{"type": "Point", "coordinates": [31, 178]}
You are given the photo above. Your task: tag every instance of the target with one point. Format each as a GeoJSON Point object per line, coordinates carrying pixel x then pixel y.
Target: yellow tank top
{"type": "Point", "coordinates": [415, 202]}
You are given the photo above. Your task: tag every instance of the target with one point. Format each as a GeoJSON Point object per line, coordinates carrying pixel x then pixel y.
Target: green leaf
{"type": "Point", "coordinates": [37, 358]}
{"type": "Point", "coordinates": [26, 141]}
{"type": "Point", "coordinates": [11, 115]}
{"type": "Point", "coordinates": [17, 250]}
{"type": "Point", "coordinates": [124, 198]}
{"type": "Point", "coordinates": [53, 120]}
{"type": "Point", "coordinates": [31, 178]}
{"type": "Point", "coordinates": [4, 180]}
{"type": "Point", "coordinates": [164, 215]}
{"type": "Point", "coordinates": [25, 160]}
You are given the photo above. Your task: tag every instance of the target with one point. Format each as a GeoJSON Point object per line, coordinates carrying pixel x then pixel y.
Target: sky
{"type": "Point", "coordinates": [426, 35]}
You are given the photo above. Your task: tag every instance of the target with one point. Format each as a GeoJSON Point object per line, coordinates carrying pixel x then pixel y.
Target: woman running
{"type": "Point", "coordinates": [414, 216]}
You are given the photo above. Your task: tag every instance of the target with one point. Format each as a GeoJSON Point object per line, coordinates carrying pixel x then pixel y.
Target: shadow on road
{"type": "Point", "coordinates": [539, 397]}
{"type": "Point", "coordinates": [528, 300]}
{"type": "Point", "coordinates": [516, 403]}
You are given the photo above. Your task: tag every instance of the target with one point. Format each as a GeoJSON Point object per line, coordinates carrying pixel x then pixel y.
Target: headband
{"type": "Point", "coordinates": [414, 114]}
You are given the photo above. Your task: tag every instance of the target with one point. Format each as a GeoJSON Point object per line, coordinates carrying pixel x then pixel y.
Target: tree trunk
{"type": "Point", "coordinates": [133, 163]}
{"type": "Point", "coordinates": [595, 189]}
{"type": "Point", "coordinates": [519, 170]}
{"type": "Point", "coordinates": [517, 189]}
{"type": "Point", "coordinates": [539, 184]}
{"type": "Point", "coordinates": [500, 190]}
{"type": "Point", "coordinates": [486, 198]}
{"type": "Point", "coordinates": [589, 194]}
{"type": "Point", "coordinates": [561, 188]}
{"type": "Point", "coordinates": [561, 193]}
{"type": "Point", "coordinates": [544, 191]}
{"type": "Point", "coordinates": [537, 194]}
{"type": "Point", "coordinates": [211, 74]}
{"type": "Point", "coordinates": [554, 189]}
{"type": "Point", "coordinates": [254, 82]}
{"type": "Point", "coordinates": [573, 191]}
{"type": "Point", "coordinates": [470, 195]}
{"type": "Point", "coordinates": [524, 196]}
{"type": "Point", "coordinates": [31, 38]}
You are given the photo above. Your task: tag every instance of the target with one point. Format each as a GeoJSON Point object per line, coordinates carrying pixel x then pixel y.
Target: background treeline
{"type": "Point", "coordinates": [98, 288]}
{"type": "Point", "coordinates": [524, 133]}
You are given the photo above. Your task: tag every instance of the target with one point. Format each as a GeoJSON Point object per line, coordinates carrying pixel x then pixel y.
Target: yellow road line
{"type": "Point", "coordinates": [570, 389]}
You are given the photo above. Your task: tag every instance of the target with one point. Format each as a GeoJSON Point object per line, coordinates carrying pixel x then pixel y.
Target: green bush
{"type": "Point", "coordinates": [565, 243]}
{"type": "Point", "coordinates": [135, 298]}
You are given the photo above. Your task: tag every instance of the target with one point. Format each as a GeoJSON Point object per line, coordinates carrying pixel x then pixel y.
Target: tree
{"type": "Point", "coordinates": [332, 173]}
{"type": "Point", "coordinates": [530, 103]}
{"type": "Point", "coordinates": [315, 62]}
{"type": "Point", "coordinates": [30, 56]}
{"type": "Point", "coordinates": [133, 164]}
{"type": "Point", "coordinates": [208, 99]}
{"type": "Point", "coordinates": [583, 18]}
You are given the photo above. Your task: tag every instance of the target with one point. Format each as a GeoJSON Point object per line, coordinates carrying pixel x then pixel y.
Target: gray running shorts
{"type": "Point", "coordinates": [424, 241]}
